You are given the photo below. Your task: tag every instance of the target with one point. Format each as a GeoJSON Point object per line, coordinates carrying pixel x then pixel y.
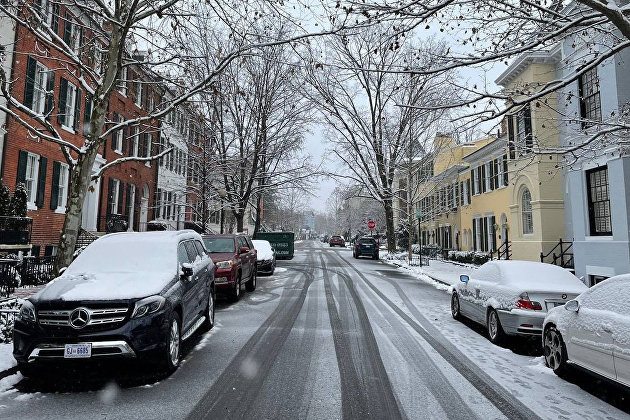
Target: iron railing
{"type": "Point", "coordinates": [30, 271]}
{"type": "Point", "coordinates": [504, 252]}
{"type": "Point", "coordinates": [560, 255]}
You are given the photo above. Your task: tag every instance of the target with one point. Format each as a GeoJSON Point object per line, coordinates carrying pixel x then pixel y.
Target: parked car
{"type": "Point", "coordinates": [337, 240]}
{"type": "Point", "coordinates": [266, 256]}
{"type": "Point", "coordinates": [326, 239]}
{"type": "Point", "coordinates": [512, 297]}
{"type": "Point", "coordinates": [592, 332]}
{"type": "Point", "coordinates": [365, 246]}
{"type": "Point", "coordinates": [134, 295]}
{"type": "Point", "coordinates": [235, 258]}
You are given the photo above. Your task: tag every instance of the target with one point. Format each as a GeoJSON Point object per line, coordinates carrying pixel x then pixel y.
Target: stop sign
{"type": "Point", "coordinates": [371, 224]}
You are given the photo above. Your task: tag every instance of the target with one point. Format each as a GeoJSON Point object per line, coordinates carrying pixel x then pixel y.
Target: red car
{"type": "Point", "coordinates": [234, 257]}
{"type": "Point", "coordinates": [336, 240]}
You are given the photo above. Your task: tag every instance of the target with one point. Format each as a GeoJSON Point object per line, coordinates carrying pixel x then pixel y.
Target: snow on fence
{"type": "Point", "coordinates": [8, 311]}
{"type": "Point", "coordinates": [30, 271]}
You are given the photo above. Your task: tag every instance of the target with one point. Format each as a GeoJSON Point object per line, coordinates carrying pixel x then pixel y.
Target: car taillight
{"type": "Point", "coordinates": [358, 245]}
{"type": "Point", "coordinates": [525, 303]}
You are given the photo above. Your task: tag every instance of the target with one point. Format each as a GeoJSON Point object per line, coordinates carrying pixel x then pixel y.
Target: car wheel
{"type": "Point", "coordinates": [236, 292]}
{"type": "Point", "coordinates": [208, 322]}
{"type": "Point", "coordinates": [455, 312]}
{"type": "Point", "coordinates": [495, 330]}
{"type": "Point", "coordinates": [555, 351]}
{"type": "Point", "coordinates": [171, 353]}
{"type": "Point", "coordinates": [273, 268]}
{"type": "Point", "coordinates": [250, 286]}
{"type": "Point", "coordinates": [375, 257]}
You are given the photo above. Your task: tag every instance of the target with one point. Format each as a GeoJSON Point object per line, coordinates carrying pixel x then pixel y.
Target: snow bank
{"type": "Point", "coordinates": [6, 356]}
{"type": "Point", "coordinates": [265, 251]}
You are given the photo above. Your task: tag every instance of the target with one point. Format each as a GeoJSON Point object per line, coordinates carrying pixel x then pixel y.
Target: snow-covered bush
{"type": "Point", "coordinates": [469, 257]}
{"type": "Point", "coordinates": [6, 320]}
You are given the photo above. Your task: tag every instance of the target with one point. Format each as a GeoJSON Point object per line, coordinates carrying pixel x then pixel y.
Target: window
{"type": "Point", "coordinates": [599, 201]}
{"type": "Point", "coordinates": [119, 135]}
{"type": "Point", "coordinates": [137, 92]}
{"type": "Point", "coordinates": [590, 103]}
{"type": "Point", "coordinates": [44, 8]}
{"type": "Point", "coordinates": [122, 82]}
{"type": "Point", "coordinates": [30, 180]}
{"type": "Point", "coordinates": [520, 131]}
{"type": "Point", "coordinates": [39, 88]}
{"type": "Point", "coordinates": [62, 186]}
{"type": "Point", "coordinates": [596, 279]}
{"type": "Point", "coordinates": [148, 148]}
{"type": "Point", "coordinates": [488, 176]}
{"type": "Point", "coordinates": [475, 177]}
{"type": "Point", "coordinates": [115, 194]}
{"type": "Point", "coordinates": [526, 212]}
{"type": "Point", "coordinates": [133, 145]}
{"type": "Point", "coordinates": [67, 104]}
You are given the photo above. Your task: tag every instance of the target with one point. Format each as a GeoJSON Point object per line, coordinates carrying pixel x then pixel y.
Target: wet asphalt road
{"type": "Point", "coordinates": [326, 337]}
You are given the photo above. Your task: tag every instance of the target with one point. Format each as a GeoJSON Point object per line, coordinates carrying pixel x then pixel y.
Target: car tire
{"type": "Point", "coordinates": [27, 370]}
{"type": "Point", "coordinates": [455, 308]}
{"type": "Point", "coordinates": [375, 257]}
{"type": "Point", "coordinates": [170, 355]}
{"type": "Point", "coordinates": [236, 292]}
{"type": "Point", "coordinates": [495, 330]}
{"type": "Point", "coordinates": [250, 286]}
{"type": "Point", "coordinates": [555, 351]}
{"type": "Point", "coordinates": [209, 313]}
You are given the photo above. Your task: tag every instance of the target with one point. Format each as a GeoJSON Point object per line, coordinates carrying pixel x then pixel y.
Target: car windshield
{"type": "Point", "coordinates": [219, 245]}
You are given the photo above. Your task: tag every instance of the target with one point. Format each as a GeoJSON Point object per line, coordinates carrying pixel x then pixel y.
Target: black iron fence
{"type": "Point", "coordinates": [30, 271]}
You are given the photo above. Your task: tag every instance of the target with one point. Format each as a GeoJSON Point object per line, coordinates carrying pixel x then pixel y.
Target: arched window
{"type": "Point", "coordinates": [526, 212]}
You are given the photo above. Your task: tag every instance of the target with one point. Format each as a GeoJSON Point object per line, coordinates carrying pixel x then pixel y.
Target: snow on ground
{"type": "Point", "coordinates": [442, 271]}
{"type": "Point", "coordinates": [6, 356]}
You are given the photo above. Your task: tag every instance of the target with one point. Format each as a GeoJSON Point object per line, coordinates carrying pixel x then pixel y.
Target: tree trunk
{"type": "Point", "coordinates": [258, 214]}
{"type": "Point", "coordinates": [410, 229]}
{"type": "Point", "coordinates": [80, 180]}
{"type": "Point", "coordinates": [239, 221]}
{"type": "Point", "coordinates": [389, 222]}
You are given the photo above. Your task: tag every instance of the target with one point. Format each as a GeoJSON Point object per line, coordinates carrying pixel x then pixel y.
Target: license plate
{"type": "Point", "coordinates": [77, 351]}
{"type": "Point", "coordinates": [551, 305]}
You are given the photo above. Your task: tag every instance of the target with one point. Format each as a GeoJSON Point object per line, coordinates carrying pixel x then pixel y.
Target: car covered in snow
{"type": "Point", "coordinates": [133, 295]}
{"type": "Point", "coordinates": [265, 255]}
{"type": "Point", "coordinates": [592, 332]}
{"type": "Point", "coordinates": [512, 298]}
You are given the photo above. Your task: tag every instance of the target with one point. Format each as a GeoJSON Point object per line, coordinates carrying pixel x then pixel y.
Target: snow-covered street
{"type": "Point", "coordinates": [327, 336]}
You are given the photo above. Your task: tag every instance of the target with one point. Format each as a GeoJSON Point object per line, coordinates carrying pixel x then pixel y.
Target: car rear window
{"type": "Point", "coordinates": [219, 245]}
{"type": "Point", "coordinates": [367, 241]}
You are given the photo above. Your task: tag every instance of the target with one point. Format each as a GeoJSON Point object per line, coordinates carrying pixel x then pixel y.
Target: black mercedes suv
{"type": "Point", "coordinates": [133, 295]}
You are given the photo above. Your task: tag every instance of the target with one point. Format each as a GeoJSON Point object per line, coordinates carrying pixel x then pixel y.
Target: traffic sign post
{"type": "Point", "coordinates": [371, 225]}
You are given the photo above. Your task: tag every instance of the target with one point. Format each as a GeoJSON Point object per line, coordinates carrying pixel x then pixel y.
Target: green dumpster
{"type": "Point", "coordinates": [282, 242]}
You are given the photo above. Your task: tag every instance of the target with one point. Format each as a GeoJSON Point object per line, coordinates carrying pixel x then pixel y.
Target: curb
{"type": "Point", "coordinates": [431, 277]}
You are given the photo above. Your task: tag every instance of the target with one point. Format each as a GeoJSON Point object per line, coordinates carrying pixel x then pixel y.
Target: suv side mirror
{"type": "Point", "coordinates": [187, 270]}
{"type": "Point", "coordinates": [464, 278]}
{"type": "Point", "coordinates": [243, 250]}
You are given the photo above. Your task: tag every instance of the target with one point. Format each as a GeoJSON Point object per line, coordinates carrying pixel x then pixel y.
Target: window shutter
{"type": "Point", "coordinates": [110, 196]}
{"type": "Point", "coordinates": [482, 178]}
{"type": "Point", "coordinates": [145, 96]}
{"type": "Point", "coordinates": [67, 30]}
{"type": "Point", "coordinates": [505, 170]}
{"type": "Point", "coordinates": [484, 234]}
{"type": "Point", "coordinates": [511, 136]}
{"type": "Point", "coordinates": [21, 172]}
{"type": "Point", "coordinates": [461, 193]}
{"type": "Point", "coordinates": [55, 18]}
{"type": "Point", "coordinates": [54, 188]}
{"type": "Point", "coordinates": [141, 144]}
{"type": "Point", "coordinates": [128, 202]}
{"type": "Point", "coordinates": [41, 184]}
{"type": "Point", "coordinates": [472, 174]}
{"type": "Point", "coordinates": [495, 163]}
{"type": "Point", "coordinates": [124, 140]}
{"type": "Point", "coordinates": [527, 115]}
{"type": "Point", "coordinates": [31, 68]}
{"type": "Point", "coordinates": [494, 234]}
{"type": "Point", "coordinates": [468, 192]}
{"type": "Point", "coordinates": [474, 234]}
{"type": "Point", "coordinates": [63, 93]}
{"type": "Point", "coordinates": [77, 111]}
{"type": "Point", "coordinates": [121, 196]}
{"type": "Point", "coordinates": [115, 121]}
{"type": "Point", "coordinates": [87, 114]}
{"type": "Point", "coordinates": [157, 200]}
{"type": "Point", "coordinates": [136, 210]}
{"type": "Point", "coordinates": [456, 195]}
{"type": "Point", "coordinates": [50, 94]}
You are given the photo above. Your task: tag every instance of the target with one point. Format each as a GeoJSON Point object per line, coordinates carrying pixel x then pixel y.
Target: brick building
{"type": "Point", "coordinates": [122, 198]}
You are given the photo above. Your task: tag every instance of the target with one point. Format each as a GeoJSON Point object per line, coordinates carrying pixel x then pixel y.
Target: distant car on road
{"type": "Point", "coordinates": [235, 258]}
{"type": "Point", "coordinates": [337, 240]}
{"type": "Point", "coordinates": [512, 297]}
{"type": "Point", "coordinates": [134, 295]}
{"type": "Point", "coordinates": [592, 332]}
{"type": "Point", "coordinates": [266, 256]}
{"type": "Point", "coordinates": [365, 246]}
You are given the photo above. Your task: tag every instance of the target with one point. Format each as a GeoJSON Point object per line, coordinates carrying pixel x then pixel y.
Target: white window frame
{"type": "Point", "coordinates": [465, 193]}
{"type": "Point", "coordinates": [132, 197]}
{"type": "Point", "coordinates": [134, 143]}
{"type": "Point", "coordinates": [122, 82]}
{"type": "Point", "coordinates": [138, 93]}
{"type": "Point", "coordinates": [39, 89]}
{"type": "Point", "coordinates": [475, 190]}
{"type": "Point", "coordinates": [500, 172]}
{"type": "Point", "coordinates": [31, 184]}
{"type": "Point", "coordinates": [486, 179]}
{"type": "Point", "coordinates": [114, 208]}
{"type": "Point", "coordinates": [530, 219]}
{"type": "Point", "coordinates": [149, 143]}
{"type": "Point", "coordinates": [489, 232]}
{"type": "Point", "coordinates": [75, 37]}
{"type": "Point", "coordinates": [71, 99]}
{"type": "Point", "coordinates": [62, 192]}
{"type": "Point", "coordinates": [478, 237]}
{"type": "Point", "coordinates": [46, 11]}
{"type": "Point", "coordinates": [119, 137]}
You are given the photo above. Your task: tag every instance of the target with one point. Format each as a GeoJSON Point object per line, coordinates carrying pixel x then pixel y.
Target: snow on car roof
{"type": "Point", "coordinates": [539, 276]}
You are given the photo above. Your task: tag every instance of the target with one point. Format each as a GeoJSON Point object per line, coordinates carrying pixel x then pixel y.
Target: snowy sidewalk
{"type": "Point", "coordinates": [439, 273]}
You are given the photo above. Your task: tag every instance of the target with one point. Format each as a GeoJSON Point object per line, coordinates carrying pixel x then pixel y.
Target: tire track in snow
{"type": "Point", "coordinates": [365, 387]}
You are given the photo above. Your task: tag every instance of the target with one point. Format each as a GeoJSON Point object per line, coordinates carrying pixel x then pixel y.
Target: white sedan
{"type": "Point", "coordinates": [512, 297]}
{"type": "Point", "coordinates": [592, 331]}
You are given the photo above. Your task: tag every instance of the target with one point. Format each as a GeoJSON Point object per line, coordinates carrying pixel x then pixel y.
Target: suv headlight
{"type": "Point", "coordinates": [27, 312]}
{"type": "Point", "coordinates": [147, 306]}
{"type": "Point", "coordinates": [225, 264]}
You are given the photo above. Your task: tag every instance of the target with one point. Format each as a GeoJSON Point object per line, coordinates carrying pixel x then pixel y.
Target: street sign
{"type": "Point", "coordinates": [418, 214]}
{"type": "Point", "coordinates": [371, 224]}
